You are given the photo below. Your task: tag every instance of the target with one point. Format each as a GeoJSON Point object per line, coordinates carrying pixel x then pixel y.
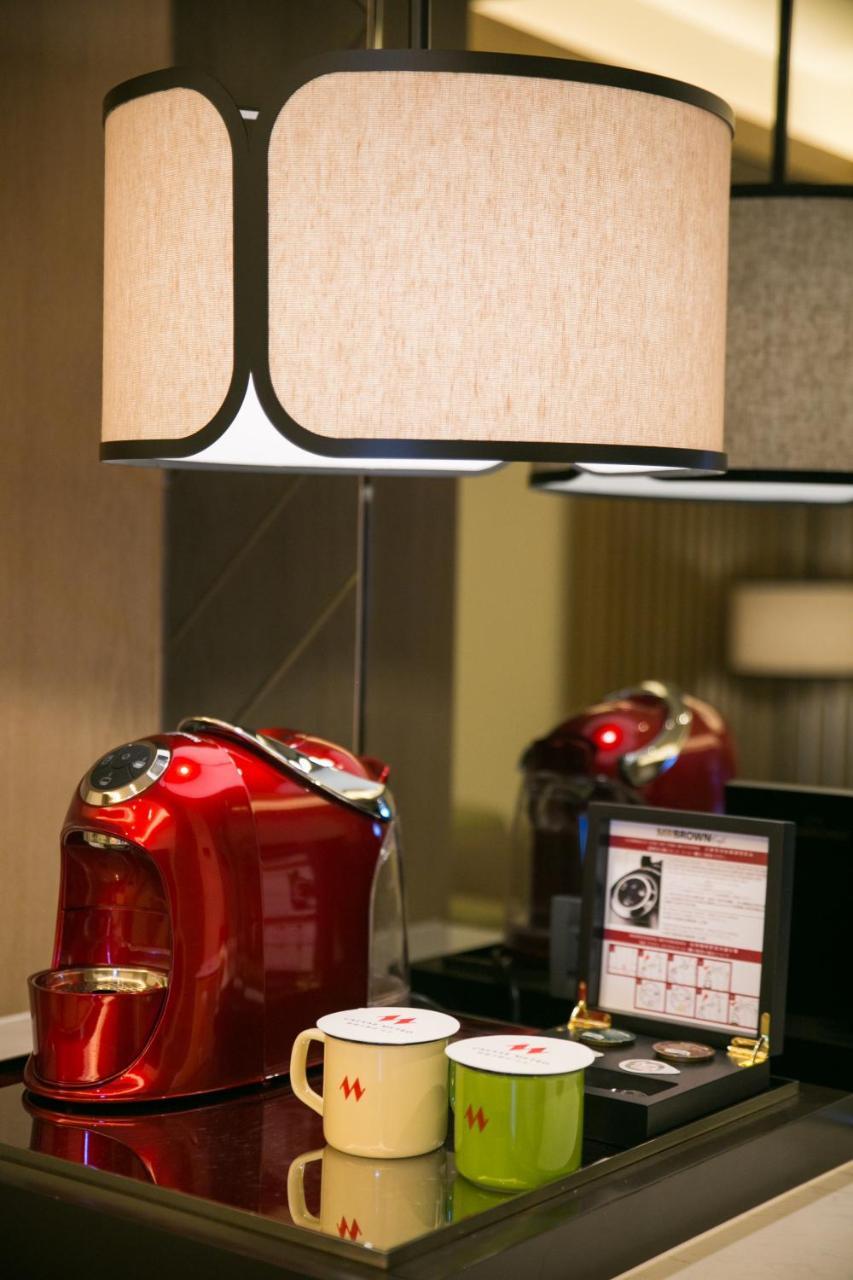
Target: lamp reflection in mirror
{"type": "Point", "coordinates": [418, 261]}
{"type": "Point", "coordinates": [792, 629]}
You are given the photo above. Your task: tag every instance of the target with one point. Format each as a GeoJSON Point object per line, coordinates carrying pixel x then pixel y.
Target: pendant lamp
{"type": "Point", "coordinates": [418, 261]}
{"type": "Point", "coordinates": [789, 360]}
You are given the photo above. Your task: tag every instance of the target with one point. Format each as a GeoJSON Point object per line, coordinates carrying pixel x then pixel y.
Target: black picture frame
{"type": "Point", "coordinates": [777, 915]}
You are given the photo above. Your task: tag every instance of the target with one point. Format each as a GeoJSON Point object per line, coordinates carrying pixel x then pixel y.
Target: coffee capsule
{"type": "Point", "coordinates": [684, 1051]}
{"type": "Point", "coordinates": [607, 1037]}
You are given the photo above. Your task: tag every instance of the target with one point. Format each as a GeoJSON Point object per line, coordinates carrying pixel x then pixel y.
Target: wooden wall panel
{"type": "Point", "coordinates": [260, 600]}
{"type": "Point", "coordinates": [409, 672]}
{"type": "Point", "coordinates": [649, 590]}
{"type": "Point", "coordinates": [80, 544]}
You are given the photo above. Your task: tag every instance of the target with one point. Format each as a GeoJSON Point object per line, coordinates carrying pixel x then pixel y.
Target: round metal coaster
{"type": "Point", "coordinates": [684, 1051]}
{"type": "Point", "coordinates": [607, 1038]}
{"type": "Point", "coordinates": [648, 1067]}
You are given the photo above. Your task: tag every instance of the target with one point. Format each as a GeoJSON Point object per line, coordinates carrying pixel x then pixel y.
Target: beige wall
{"type": "Point", "coordinates": [80, 545]}
{"type": "Point", "coordinates": [511, 660]}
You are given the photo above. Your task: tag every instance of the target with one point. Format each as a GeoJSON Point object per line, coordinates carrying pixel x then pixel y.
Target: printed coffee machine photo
{"type": "Point", "coordinates": [220, 889]}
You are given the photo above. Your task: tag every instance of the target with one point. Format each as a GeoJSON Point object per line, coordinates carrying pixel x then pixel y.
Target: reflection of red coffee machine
{"type": "Point", "coordinates": [233, 1150]}
{"type": "Point", "coordinates": [220, 890]}
{"type": "Point", "coordinates": [647, 745]}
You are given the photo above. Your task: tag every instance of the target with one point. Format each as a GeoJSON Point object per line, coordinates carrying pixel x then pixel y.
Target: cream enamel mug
{"type": "Point", "coordinates": [385, 1080]}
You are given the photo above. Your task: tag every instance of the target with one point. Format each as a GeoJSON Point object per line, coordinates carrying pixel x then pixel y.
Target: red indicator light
{"type": "Point", "coordinates": [607, 736]}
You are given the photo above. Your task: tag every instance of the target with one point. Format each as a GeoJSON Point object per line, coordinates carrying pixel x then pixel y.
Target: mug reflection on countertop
{"type": "Point", "coordinates": [376, 1203]}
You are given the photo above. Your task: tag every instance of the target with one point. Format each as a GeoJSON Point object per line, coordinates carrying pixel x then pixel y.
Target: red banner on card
{"type": "Point", "coordinates": [677, 946]}
{"type": "Point", "coordinates": [637, 845]}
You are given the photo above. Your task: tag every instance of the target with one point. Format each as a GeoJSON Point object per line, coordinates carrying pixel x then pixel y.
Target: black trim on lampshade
{"type": "Point", "coordinates": [803, 190]}
{"type": "Point", "coordinates": [701, 461]}
{"type": "Point", "coordinates": [496, 64]}
{"type": "Point", "coordinates": [250, 141]}
{"type": "Point", "coordinates": [545, 481]}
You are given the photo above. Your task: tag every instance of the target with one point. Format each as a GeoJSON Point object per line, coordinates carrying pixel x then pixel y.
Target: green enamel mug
{"type": "Point", "coordinates": [518, 1109]}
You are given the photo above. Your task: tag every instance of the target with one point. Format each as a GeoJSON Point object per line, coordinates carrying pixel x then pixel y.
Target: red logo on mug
{"type": "Point", "coordinates": [516, 1047]}
{"type": "Point", "coordinates": [356, 1088]}
{"type": "Point", "coordinates": [345, 1229]}
{"type": "Point", "coordinates": [395, 1017]}
{"type": "Point", "coordinates": [476, 1117]}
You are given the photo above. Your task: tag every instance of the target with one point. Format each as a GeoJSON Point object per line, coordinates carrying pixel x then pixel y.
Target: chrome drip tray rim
{"type": "Point", "coordinates": [100, 980]}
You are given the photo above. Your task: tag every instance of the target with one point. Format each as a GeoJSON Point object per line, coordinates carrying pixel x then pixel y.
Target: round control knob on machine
{"type": "Point", "coordinates": [124, 772]}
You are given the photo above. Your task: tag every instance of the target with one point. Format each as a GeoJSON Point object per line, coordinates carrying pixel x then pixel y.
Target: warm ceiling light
{"type": "Point", "coordinates": [418, 260]}
{"type": "Point", "coordinates": [791, 629]}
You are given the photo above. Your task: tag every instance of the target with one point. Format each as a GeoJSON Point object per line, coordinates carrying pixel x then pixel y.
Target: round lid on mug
{"type": "Point", "coordinates": [383, 1025]}
{"type": "Point", "coordinates": [521, 1055]}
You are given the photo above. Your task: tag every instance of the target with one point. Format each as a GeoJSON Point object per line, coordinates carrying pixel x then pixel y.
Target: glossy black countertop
{"type": "Point", "coordinates": [239, 1188]}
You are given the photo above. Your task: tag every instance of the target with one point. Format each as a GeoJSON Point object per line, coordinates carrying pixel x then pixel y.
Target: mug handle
{"type": "Point", "coordinates": [296, 1191]}
{"type": "Point", "coordinates": [298, 1077]}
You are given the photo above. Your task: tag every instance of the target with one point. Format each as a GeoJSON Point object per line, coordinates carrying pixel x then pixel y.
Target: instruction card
{"type": "Point", "coordinates": [684, 925]}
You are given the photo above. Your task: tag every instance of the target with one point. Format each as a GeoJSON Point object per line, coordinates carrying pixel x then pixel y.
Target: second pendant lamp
{"type": "Point", "coordinates": [789, 367]}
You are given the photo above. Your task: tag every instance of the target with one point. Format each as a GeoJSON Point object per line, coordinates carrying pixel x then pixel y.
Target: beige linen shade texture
{"type": "Point", "coordinates": [467, 257]}
{"type": "Point", "coordinates": [789, 383]}
{"type": "Point", "coordinates": [168, 266]}
{"type": "Point", "coordinates": [789, 363]}
{"type": "Point", "coordinates": [792, 629]}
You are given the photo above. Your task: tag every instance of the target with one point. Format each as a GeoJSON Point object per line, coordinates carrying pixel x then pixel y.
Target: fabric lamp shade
{"type": "Point", "coordinates": [419, 261]}
{"type": "Point", "coordinates": [792, 629]}
{"type": "Point", "coordinates": [789, 366]}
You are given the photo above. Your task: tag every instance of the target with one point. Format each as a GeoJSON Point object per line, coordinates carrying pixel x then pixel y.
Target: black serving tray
{"type": "Point", "coordinates": [623, 1109]}
{"type": "Point", "coordinates": [644, 1106]}
{"type": "Point", "coordinates": [225, 1168]}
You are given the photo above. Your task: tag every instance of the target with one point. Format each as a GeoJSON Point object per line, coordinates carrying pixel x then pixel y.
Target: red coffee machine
{"type": "Point", "coordinates": [648, 745]}
{"type": "Point", "coordinates": [220, 890]}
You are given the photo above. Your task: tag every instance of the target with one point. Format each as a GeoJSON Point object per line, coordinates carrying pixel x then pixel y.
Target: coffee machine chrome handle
{"type": "Point", "coordinates": [364, 794]}
{"type": "Point", "coordinates": [642, 766]}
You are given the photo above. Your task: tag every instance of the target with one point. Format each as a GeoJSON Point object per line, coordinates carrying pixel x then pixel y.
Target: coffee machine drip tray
{"type": "Point", "coordinates": [89, 1021]}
